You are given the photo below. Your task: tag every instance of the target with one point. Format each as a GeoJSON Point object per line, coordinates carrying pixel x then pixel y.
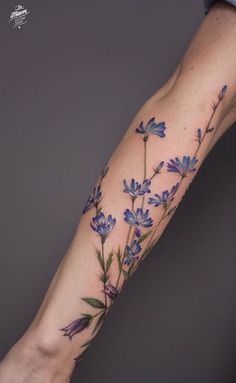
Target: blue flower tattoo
{"type": "Point", "coordinates": [165, 198]}
{"type": "Point", "coordinates": [138, 219]}
{"type": "Point", "coordinates": [135, 189]}
{"type": "Point", "coordinates": [222, 92]}
{"type": "Point", "coordinates": [131, 252]}
{"type": "Point", "coordinates": [77, 326]}
{"type": "Point", "coordinates": [94, 199]}
{"type": "Point", "coordinates": [184, 166]}
{"type": "Point", "coordinates": [102, 225]}
{"type": "Point", "coordinates": [158, 129]}
{"type": "Point", "coordinates": [138, 240]}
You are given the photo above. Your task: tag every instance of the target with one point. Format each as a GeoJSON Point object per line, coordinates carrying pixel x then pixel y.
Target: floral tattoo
{"type": "Point", "coordinates": [141, 230]}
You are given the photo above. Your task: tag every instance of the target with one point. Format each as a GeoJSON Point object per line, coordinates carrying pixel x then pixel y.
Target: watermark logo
{"type": "Point", "coordinates": [18, 17]}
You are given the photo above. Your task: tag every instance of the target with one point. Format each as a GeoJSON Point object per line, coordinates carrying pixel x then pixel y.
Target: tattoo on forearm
{"type": "Point", "coordinates": [142, 233]}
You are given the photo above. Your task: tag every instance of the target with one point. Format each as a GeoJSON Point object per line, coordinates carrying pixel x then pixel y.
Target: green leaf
{"type": "Point", "coordinates": [126, 274]}
{"type": "Point", "coordinates": [87, 344]}
{"type": "Point", "coordinates": [104, 277]}
{"type": "Point", "coordinates": [109, 261]}
{"type": "Point", "coordinates": [209, 130]}
{"type": "Point", "coordinates": [99, 322]}
{"type": "Point", "coordinates": [171, 210]}
{"type": "Point", "coordinates": [96, 303]}
{"type": "Point", "coordinates": [98, 210]}
{"type": "Point", "coordinates": [118, 256]}
{"type": "Point", "coordinates": [89, 316]}
{"type": "Point", "coordinates": [100, 258]}
{"type": "Point", "coordinates": [144, 236]}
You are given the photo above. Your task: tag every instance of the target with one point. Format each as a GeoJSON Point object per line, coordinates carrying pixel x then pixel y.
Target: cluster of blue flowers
{"type": "Point", "coordinates": [138, 220]}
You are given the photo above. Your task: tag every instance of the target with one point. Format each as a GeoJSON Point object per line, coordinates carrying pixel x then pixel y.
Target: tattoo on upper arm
{"type": "Point", "coordinates": [142, 232]}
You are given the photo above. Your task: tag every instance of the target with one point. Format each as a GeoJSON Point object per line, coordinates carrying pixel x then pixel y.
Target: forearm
{"type": "Point", "coordinates": [187, 117]}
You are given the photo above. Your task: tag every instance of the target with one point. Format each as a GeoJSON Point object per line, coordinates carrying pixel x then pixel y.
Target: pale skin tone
{"type": "Point", "coordinates": [185, 104]}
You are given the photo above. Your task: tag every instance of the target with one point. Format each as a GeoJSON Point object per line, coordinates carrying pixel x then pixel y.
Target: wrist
{"type": "Point", "coordinates": [36, 353]}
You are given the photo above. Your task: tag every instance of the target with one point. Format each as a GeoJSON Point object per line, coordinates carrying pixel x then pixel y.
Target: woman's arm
{"type": "Point", "coordinates": [132, 202]}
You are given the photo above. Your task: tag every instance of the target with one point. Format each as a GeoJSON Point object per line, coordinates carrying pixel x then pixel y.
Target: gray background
{"type": "Point", "coordinates": [71, 81]}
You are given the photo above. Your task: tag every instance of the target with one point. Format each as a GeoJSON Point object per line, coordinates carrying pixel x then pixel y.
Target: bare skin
{"type": "Point", "coordinates": [185, 104]}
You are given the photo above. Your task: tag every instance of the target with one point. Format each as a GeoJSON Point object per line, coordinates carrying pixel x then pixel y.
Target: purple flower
{"type": "Point", "coordinates": [199, 135]}
{"type": "Point", "coordinates": [152, 127]}
{"type": "Point", "coordinates": [159, 167]}
{"type": "Point", "coordinates": [164, 198]}
{"type": "Point", "coordinates": [138, 218]}
{"type": "Point", "coordinates": [110, 290]}
{"type": "Point", "coordinates": [77, 326]}
{"type": "Point", "coordinates": [93, 199]}
{"type": "Point", "coordinates": [104, 172]}
{"type": "Point", "coordinates": [102, 225]}
{"type": "Point", "coordinates": [131, 252]}
{"type": "Point", "coordinates": [184, 166]}
{"type": "Point", "coordinates": [145, 187]}
{"type": "Point", "coordinates": [222, 92]}
{"type": "Point", "coordinates": [135, 189]}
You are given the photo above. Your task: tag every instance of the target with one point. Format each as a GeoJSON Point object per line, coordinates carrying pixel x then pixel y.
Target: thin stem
{"type": "Point", "coordinates": [131, 269]}
{"type": "Point", "coordinates": [208, 125]}
{"type": "Point", "coordinates": [96, 207]}
{"type": "Point", "coordinates": [100, 312]}
{"type": "Point", "coordinates": [132, 239]}
{"type": "Point", "coordinates": [149, 244]}
{"type": "Point", "coordinates": [124, 252]}
{"type": "Point", "coordinates": [123, 257]}
{"type": "Point", "coordinates": [154, 175]}
{"type": "Point", "coordinates": [133, 203]}
{"type": "Point", "coordinates": [145, 160]}
{"type": "Point", "coordinates": [104, 270]}
{"type": "Point", "coordinates": [144, 165]}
